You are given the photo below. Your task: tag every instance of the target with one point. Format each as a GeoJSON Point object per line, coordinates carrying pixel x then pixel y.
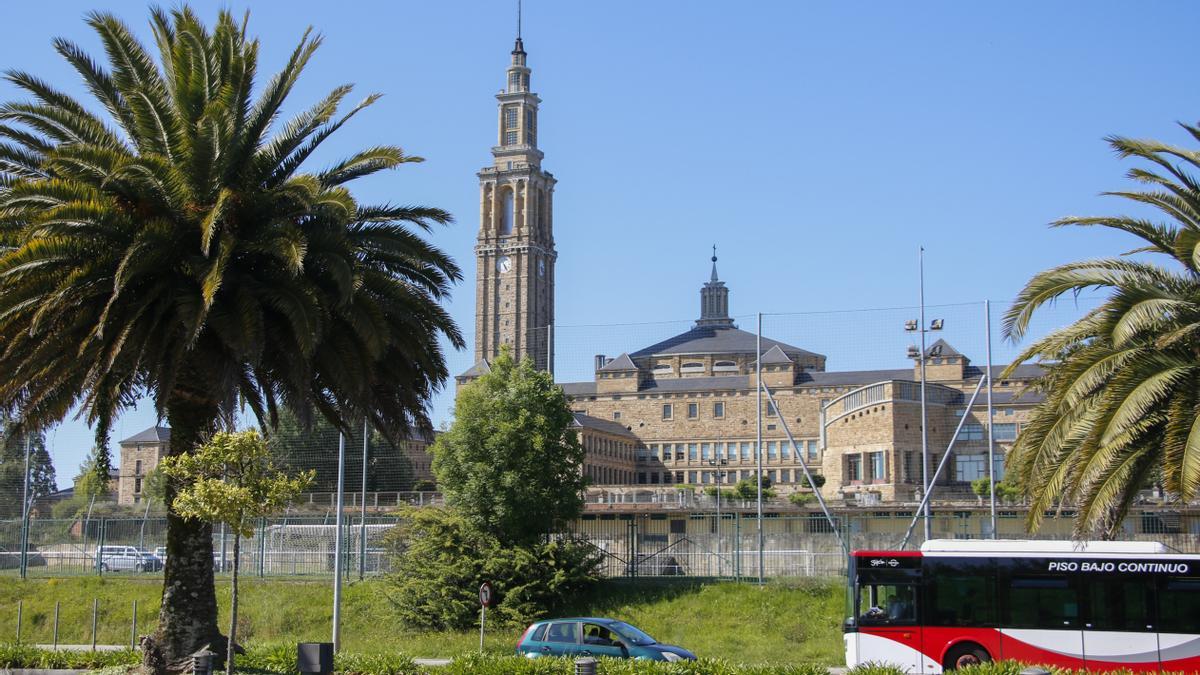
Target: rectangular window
{"type": "Point", "coordinates": [692, 451]}
{"type": "Point", "coordinates": [745, 451]}
{"type": "Point", "coordinates": [678, 476]}
{"type": "Point", "coordinates": [137, 484]}
{"type": "Point", "coordinates": [1008, 412]}
{"type": "Point", "coordinates": [770, 409]}
{"type": "Point", "coordinates": [668, 411]}
{"type": "Point", "coordinates": [693, 410]}
{"type": "Point", "coordinates": [785, 450]}
{"type": "Point", "coordinates": [706, 450]}
{"type": "Point", "coordinates": [654, 478]}
{"type": "Point", "coordinates": [692, 477]}
{"type": "Point", "coordinates": [771, 476]}
{"type": "Point", "coordinates": [510, 118]}
{"type": "Point", "coordinates": [880, 604]}
{"type": "Point", "coordinates": [706, 476]}
{"type": "Point", "coordinates": [510, 138]}
{"type": "Point", "coordinates": [641, 477]}
{"type": "Point", "coordinates": [616, 415]}
{"type": "Point", "coordinates": [1123, 604]}
{"type": "Point", "coordinates": [971, 431]}
{"type": "Point", "coordinates": [785, 476]}
{"type": "Point", "coordinates": [878, 469]}
{"type": "Point", "coordinates": [812, 449]}
{"type": "Point", "coordinates": [1041, 602]}
{"type": "Point", "coordinates": [530, 127]}
{"type": "Point", "coordinates": [969, 467]}
{"type": "Point", "coordinates": [666, 452]}
{"type": "Point", "coordinates": [964, 595]}
{"type": "Point", "coordinates": [137, 468]}
{"type": "Point", "coordinates": [1005, 431]}
{"type": "Point", "coordinates": [854, 467]}
{"type": "Point", "coordinates": [772, 450]}
{"type": "Point", "coordinates": [719, 409]}
{"type": "Point", "coordinates": [1178, 606]}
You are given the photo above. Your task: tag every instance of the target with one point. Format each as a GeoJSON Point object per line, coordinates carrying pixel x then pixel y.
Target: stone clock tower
{"type": "Point", "coordinates": [514, 253]}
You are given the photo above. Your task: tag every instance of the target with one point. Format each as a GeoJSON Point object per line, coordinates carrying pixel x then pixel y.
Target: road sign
{"type": "Point", "coordinates": [485, 594]}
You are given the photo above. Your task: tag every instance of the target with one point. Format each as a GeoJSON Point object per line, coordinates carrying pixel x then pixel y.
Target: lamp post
{"type": "Point", "coordinates": [919, 326]}
{"type": "Point", "coordinates": [720, 476]}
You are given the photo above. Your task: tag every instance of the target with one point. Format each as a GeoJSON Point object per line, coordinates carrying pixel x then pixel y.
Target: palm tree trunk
{"type": "Point", "coordinates": [187, 618]}
{"type": "Point", "coordinates": [233, 603]}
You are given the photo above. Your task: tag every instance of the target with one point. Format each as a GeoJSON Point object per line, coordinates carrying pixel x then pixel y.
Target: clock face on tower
{"type": "Point", "coordinates": [504, 264]}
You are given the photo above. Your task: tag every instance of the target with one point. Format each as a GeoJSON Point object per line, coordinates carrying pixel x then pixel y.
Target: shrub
{"type": "Point", "coordinates": [877, 668]}
{"type": "Point", "coordinates": [439, 561]}
{"type": "Point", "coordinates": [802, 498]}
{"type": "Point", "coordinates": [477, 664]}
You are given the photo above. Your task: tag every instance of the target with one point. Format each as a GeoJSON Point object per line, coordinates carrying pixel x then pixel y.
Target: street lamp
{"type": "Point", "coordinates": [918, 326]}
{"type": "Point", "coordinates": [720, 476]}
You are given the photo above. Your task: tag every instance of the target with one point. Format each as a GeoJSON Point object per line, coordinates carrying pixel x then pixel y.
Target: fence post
{"type": "Point", "coordinates": [737, 546]}
{"type": "Point", "coordinates": [133, 628]}
{"type": "Point", "coordinates": [95, 612]}
{"type": "Point", "coordinates": [262, 547]}
{"type": "Point", "coordinates": [56, 603]}
{"type": "Point", "coordinates": [102, 525]}
{"type": "Point", "coordinates": [20, 607]}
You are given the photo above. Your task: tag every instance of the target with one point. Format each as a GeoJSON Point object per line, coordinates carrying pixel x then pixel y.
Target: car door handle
{"type": "Point", "coordinates": [545, 649]}
{"type": "Point", "coordinates": [586, 652]}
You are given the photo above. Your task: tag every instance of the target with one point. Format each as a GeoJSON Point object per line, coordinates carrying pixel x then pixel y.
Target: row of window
{"type": "Point", "coordinates": [607, 447]}
{"type": "Point", "coordinates": [785, 476]}
{"type": "Point", "coordinates": [606, 475]}
{"type": "Point", "coordinates": [693, 411]}
{"type": "Point", "coordinates": [866, 467]}
{"type": "Point", "coordinates": [733, 451]}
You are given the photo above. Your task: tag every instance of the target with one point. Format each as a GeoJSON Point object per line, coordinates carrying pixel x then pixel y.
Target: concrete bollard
{"type": "Point", "coordinates": [202, 662]}
{"type": "Point", "coordinates": [585, 666]}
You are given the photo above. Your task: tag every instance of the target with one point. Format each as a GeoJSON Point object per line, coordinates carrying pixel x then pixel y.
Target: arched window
{"type": "Point", "coordinates": [725, 366]}
{"type": "Point", "coordinates": [506, 212]}
{"type": "Point", "coordinates": [692, 367]}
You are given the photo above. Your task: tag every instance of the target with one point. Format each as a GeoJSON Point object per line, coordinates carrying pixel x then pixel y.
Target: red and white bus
{"type": "Point", "coordinates": [1094, 605]}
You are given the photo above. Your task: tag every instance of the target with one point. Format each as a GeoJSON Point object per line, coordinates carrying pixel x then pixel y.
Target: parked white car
{"type": "Point", "coordinates": [113, 558]}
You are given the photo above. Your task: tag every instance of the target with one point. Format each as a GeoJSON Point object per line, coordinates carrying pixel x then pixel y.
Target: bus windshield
{"type": "Point", "coordinates": [887, 603]}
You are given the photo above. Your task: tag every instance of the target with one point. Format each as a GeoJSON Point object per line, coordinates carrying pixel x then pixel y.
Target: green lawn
{"type": "Point", "coordinates": [796, 621]}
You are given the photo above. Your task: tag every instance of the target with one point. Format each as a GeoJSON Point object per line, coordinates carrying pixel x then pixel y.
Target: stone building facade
{"type": "Point", "coordinates": [140, 454]}
{"type": "Point", "coordinates": [691, 403]}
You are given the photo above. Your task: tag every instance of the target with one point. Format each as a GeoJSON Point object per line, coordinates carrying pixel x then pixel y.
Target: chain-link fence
{"type": "Point", "coordinates": [677, 543]}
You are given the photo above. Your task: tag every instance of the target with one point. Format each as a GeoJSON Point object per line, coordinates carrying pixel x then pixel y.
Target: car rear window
{"type": "Point", "coordinates": [538, 633]}
{"type": "Point", "coordinates": [562, 632]}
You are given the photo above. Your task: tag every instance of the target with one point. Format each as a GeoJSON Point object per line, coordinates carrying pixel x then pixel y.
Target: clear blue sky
{"type": "Point", "coordinates": [816, 143]}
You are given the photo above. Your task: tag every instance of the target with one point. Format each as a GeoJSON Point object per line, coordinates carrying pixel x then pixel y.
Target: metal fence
{"type": "Point", "coordinates": [668, 543]}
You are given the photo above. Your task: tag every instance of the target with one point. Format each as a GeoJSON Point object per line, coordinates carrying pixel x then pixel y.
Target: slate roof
{"type": "Point", "coordinates": [622, 362]}
{"type": "Point", "coordinates": [947, 349]}
{"type": "Point", "coordinates": [607, 426]}
{"type": "Point", "coordinates": [716, 340]}
{"type": "Point", "coordinates": [809, 378]}
{"type": "Point", "coordinates": [775, 356]}
{"type": "Point", "coordinates": [151, 435]}
{"type": "Point", "coordinates": [480, 369]}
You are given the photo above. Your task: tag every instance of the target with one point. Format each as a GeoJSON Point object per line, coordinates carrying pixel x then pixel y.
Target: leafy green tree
{"type": "Point", "coordinates": [440, 559]}
{"type": "Point", "coordinates": [173, 246]}
{"type": "Point", "coordinates": [511, 463]}
{"type": "Point", "coordinates": [230, 480]}
{"type": "Point", "coordinates": [1122, 384]}
{"type": "Point", "coordinates": [12, 470]}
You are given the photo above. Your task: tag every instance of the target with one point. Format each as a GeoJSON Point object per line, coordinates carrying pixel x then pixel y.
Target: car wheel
{"type": "Point", "coordinates": [139, 567]}
{"type": "Point", "coordinates": [966, 654]}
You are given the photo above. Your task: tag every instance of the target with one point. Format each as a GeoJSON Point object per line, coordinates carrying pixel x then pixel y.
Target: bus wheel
{"type": "Point", "coordinates": [966, 654]}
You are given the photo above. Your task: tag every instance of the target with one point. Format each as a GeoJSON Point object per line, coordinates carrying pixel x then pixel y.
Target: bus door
{"type": "Point", "coordinates": [1179, 624]}
{"type": "Point", "coordinates": [1119, 629]}
{"type": "Point", "coordinates": [1041, 621]}
{"type": "Point", "coordinates": [888, 629]}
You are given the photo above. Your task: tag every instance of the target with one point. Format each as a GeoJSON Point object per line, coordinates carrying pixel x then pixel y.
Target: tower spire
{"type": "Point", "coordinates": [714, 300]}
{"type": "Point", "coordinates": [714, 262]}
{"type": "Point", "coordinates": [519, 47]}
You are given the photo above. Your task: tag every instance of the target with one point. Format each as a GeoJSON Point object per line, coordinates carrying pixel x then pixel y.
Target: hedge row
{"type": "Point", "coordinates": [282, 659]}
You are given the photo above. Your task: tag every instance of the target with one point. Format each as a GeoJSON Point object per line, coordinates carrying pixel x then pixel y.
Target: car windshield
{"type": "Point", "coordinates": [631, 633]}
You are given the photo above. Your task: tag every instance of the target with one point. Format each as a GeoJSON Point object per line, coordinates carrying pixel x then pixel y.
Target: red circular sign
{"type": "Point", "coordinates": [485, 594]}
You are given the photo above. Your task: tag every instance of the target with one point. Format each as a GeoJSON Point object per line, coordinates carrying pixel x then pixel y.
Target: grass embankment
{"type": "Point", "coordinates": [797, 621]}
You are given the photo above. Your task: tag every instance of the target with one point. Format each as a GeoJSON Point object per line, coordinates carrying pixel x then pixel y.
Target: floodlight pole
{"type": "Point", "coordinates": [758, 445]}
{"type": "Point", "coordinates": [362, 517]}
{"type": "Point", "coordinates": [987, 323]}
{"type": "Point", "coordinates": [924, 418]}
{"type": "Point", "coordinates": [337, 545]}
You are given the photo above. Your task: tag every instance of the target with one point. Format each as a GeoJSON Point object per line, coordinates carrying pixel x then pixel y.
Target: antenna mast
{"type": "Point", "coordinates": [518, 19]}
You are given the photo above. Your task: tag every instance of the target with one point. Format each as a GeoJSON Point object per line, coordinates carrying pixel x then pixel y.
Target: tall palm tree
{"type": "Point", "coordinates": [173, 247]}
{"type": "Point", "coordinates": [1122, 384]}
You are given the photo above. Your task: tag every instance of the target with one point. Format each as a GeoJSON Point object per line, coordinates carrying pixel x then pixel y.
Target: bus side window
{"type": "Point", "coordinates": [1041, 602]}
{"type": "Point", "coordinates": [888, 604]}
{"type": "Point", "coordinates": [1179, 606]}
{"type": "Point", "coordinates": [962, 601]}
{"type": "Point", "coordinates": [1122, 604]}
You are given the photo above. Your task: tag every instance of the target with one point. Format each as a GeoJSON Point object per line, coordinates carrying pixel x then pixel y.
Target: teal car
{"type": "Point", "coordinates": [591, 636]}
